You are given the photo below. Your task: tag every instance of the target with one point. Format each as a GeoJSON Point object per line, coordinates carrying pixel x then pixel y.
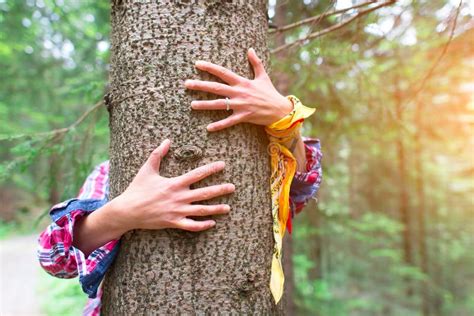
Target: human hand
{"type": "Point", "coordinates": [152, 201]}
{"type": "Point", "coordinates": [253, 101]}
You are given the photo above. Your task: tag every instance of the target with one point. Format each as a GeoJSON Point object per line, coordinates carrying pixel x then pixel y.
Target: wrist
{"type": "Point", "coordinates": [284, 107]}
{"type": "Point", "coordinates": [287, 127]}
{"type": "Point", "coordinates": [118, 220]}
{"type": "Point", "coordinates": [96, 229]}
{"type": "Point", "coordinates": [292, 141]}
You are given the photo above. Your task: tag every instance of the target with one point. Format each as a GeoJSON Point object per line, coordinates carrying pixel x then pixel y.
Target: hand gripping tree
{"type": "Point", "coordinates": [155, 44]}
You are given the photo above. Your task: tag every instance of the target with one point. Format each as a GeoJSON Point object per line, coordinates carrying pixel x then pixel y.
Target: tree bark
{"type": "Point", "coordinates": [226, 269]}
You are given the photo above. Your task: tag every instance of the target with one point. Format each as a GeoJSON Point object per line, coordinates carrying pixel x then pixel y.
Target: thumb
{"type": "Point", "coordinates": [154, 160]}
{"type": "Point", "coordinates": [257, 65]}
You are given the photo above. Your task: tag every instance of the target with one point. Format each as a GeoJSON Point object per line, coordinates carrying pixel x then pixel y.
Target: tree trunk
{"type": "Point", "coordinates": [54, 195]}
{"type": "Point", "coordinates": [420, 192]}
{"type": "Point", "coordinates": [403, 190]}
{"type": "Point", "coordinates": [226, 269]}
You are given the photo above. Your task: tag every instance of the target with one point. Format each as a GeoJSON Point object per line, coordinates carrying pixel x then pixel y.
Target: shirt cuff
{"type": "Point", "coordinates": [91, 269]}
{"type": "Point", "coordinates": [305, 184]}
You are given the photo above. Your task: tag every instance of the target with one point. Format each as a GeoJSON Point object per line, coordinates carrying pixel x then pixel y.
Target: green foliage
{"type": "Point", "coordinates": [369, 82]}
{"type": "Point", "coordinates": [53, 70]}
{"type": "Point", "coordinates": [7, 228]}
{"type": "Point", "coordinates": [368, 86]}
{"type": "Point", "coordinates": [66, 294]}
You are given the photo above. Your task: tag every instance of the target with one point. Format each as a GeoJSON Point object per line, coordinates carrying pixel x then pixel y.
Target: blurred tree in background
{"type": "Point", "coordinates": [53, 56]}
{"type": "Point", "coordinates": [392, 232]}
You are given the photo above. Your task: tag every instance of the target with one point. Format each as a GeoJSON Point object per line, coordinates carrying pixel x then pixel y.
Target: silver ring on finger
{"type": "Point", "coordinates": [227, 104]}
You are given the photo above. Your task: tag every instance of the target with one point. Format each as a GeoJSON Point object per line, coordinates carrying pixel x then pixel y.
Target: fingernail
{"type": "Point", "coordinates": [231, 187]}
{"type": "Point", "coordinates": [187, 82]}
{"type": "Point", "coordinates": [213, 224]}
{"type": "Point", "coordinates": [226, 208]}
{"type": "Point", "coordinates": [210, 128]}
{"type": "Point", "coordinates": [199, 63]}
{"type": "Point", "coordinates": [252, 50]}
{"type": "Point", "coordinates": [220, 164]}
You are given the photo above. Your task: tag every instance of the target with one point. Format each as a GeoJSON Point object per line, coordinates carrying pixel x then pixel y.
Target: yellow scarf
{"type": "Point", "coordinates": [283, 168]}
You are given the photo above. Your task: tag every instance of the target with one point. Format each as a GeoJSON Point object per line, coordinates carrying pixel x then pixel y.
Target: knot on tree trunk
{"type": "Point", "coordinates": [246, 284]}
{"type": "Point", "coordinates": [188, 153]}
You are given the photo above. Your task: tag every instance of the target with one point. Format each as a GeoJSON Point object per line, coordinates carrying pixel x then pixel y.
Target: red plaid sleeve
{"type": "Point", "coordinates": [306, 184]}
{"type": "Point", "coordinates": [55, 252]}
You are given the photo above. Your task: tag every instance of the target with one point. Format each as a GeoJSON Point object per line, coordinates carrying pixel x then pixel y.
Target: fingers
{"type": "Point", "coordinates": [154, 160]}
{"type": "Point", "coordinates": [219, 104]}
{"type": "Point", "coordinates": [229, 121]}
{"type": "Point", "coordinates": [194, 226]}
{"type": "Point", "coordinates": [202, 172]}
{"type": "Point", "coordinates": [208, 193]}
{"type": "Point", "coordinates": [210, 86]}
{"type": "Point", "coordinates": [257, 64]}
{"type": "Point", "coordinates": [223, 73]}
{"type": "Point", "coordinates": [206, 210]}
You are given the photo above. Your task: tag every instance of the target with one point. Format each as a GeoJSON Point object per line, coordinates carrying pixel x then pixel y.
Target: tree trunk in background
{"type": "Point", "coordinates": [316, 254]}
{"type": "Point", "coordinates": [420, 192]}
{"type": "Point", "coordinates": [403, 190]}
{"type": "Point", "coordinates": [282, 82]}
{"type": "Point", "coordinates": [437, 268]}
{"type": "Point", "coordinates": [226, 269]}
{"type": "Point", "coordinates": [54, 195]}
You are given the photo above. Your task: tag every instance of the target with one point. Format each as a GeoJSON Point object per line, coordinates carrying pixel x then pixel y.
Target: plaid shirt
{"type": "Point", "coordinates": [61, 259]}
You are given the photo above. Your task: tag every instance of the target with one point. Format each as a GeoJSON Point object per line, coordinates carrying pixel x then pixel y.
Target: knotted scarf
{"type": "Point", "coordinates": [283, 168]}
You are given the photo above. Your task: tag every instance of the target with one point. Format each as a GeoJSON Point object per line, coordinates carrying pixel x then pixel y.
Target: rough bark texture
{"type": "Point", "coordinates": [226, 269]}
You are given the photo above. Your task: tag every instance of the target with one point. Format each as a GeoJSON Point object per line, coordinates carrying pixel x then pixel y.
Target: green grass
{"type": "Point", "coordinates": [60, 296]}
{"type": "Point", "coordinates": [7, 229]}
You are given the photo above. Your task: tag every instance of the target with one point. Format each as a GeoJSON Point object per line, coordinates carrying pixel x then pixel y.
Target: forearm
{"type": "Point", "coordinates": [296, 146]}
{"type": "Point", "coordinates": [98, 228]}
{"type": "Point", "coordinates": [300, 155]}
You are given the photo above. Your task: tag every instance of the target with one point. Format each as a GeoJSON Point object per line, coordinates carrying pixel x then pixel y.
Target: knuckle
{"type": "Point", "coordinates": [246, 83]}
{"type": "Point", "coordinates": [221, 209]}
{"type": "Point", "coordinates": [243, 94]}
{"type": "Point", "coordinates": [246, 116]}
{"type": "Point", "coordinates": [156, 155]}
{"type": "Point", "coordinates": [239, 102]}
{"type": "Point", "coordinates": [210, 169]}
{"type": "Point", "coordinates": [204, 172]}
{"type": "Point", "coordinates": [169, 223]}
{"type": "Point", "coordinates": [218, 88]}
{"type": "Point", "coordinates": [173, 184]}
{"type": "Point", "coordinates": [202, 211]}
{"type": "Point", "coordinates": [206, 194]}
{"type": "Point", "coordinates": [195, 175]}
{"type": "Point", "coordinates": [222, 72]}
{"type": "Point", "coordinates": [222, 190]}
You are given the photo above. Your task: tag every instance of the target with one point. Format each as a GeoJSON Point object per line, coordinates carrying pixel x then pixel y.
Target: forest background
{"type": "Point", "coordinates": [392, 229]}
